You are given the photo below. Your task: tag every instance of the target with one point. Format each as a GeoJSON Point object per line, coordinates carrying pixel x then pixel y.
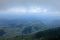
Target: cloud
{"type": "Point", "coordinates": [25, 10]}
{"type": "Point", "coordinates": [3, 4]}
{"type": "Point", "coordinates": [54, 5]}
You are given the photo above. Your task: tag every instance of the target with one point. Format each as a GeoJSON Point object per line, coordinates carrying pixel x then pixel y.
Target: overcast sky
{"type": "Point", "coordinates": [53, 5]}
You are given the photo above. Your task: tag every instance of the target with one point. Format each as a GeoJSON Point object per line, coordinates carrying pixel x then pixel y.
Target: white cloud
{"type": "Point", "coordinates": [17, 10]}
{"type": "Point", "coordinates": [7, 4]}
{"type": "Point", "coordinates": [26, 10]}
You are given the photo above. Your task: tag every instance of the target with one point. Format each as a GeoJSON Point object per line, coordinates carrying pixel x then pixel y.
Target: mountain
{"type": "Point", "coordinates": [2, 32]}
{"type": "Point", "coordinates": [50, 34]}
{"type": "Point", "coordinates": [26, 28]}
{"type": "Point", "coordinates": [33, 27]}
{"type": "Point", "coordinates": [26, 24]}
{"type": "Point", "coordinates": [55, 23]}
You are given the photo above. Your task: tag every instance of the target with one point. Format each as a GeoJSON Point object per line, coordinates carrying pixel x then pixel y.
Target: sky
{"type": "Point", "coordinates": [27, 6]}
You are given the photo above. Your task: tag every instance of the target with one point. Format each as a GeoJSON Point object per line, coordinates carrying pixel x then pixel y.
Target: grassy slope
{"type": "Point", "coordinates": [50, 34]}
{"type": "Point", "coordinates": [27, 37]}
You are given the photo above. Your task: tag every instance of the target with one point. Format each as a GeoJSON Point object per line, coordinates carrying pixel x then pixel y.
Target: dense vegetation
{"type": "Point", "coordinates": [35, 30]}
{"type": "Point", "coordinates": [50, 34]}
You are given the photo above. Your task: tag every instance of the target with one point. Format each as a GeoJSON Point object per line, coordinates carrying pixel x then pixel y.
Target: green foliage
{"type": "Point", "coordinates": [15, 33]}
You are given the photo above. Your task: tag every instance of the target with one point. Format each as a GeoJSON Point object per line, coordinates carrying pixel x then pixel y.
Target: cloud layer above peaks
{"type": "Point", "coordinates": [52, 5]}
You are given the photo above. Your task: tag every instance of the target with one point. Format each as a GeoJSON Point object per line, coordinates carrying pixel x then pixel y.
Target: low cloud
{"type": "Point", "coordinates": [7, 4]}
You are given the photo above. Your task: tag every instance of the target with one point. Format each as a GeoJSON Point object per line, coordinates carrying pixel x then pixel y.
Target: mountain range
{"type": "Point", "coordinates": [12, 25]}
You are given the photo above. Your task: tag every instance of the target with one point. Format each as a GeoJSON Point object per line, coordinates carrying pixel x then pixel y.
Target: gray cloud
{"type": "Point", "coordinates": [54, 4]}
